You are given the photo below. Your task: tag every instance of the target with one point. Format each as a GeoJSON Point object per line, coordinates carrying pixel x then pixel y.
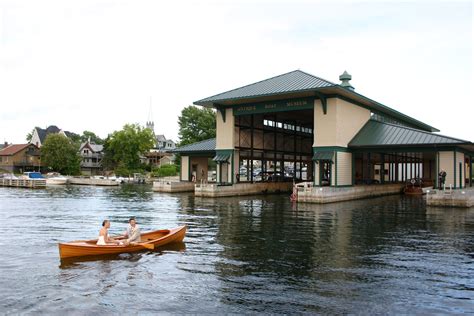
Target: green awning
{"type": "Point", "coordinates": [323, 155]}
{"type": "Point", "coordinates": [221, 158]}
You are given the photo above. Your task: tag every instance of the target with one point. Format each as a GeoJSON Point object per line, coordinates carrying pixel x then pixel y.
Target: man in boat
{"type": "Point", "coordinates": [132, 234]}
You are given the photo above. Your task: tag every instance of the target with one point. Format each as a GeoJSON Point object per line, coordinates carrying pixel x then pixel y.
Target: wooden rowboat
{"type": "Point", "coordinates": [81, 248]}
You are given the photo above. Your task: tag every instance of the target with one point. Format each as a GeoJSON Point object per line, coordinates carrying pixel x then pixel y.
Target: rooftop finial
{"type": "Point", "coordinates": [345, 78]}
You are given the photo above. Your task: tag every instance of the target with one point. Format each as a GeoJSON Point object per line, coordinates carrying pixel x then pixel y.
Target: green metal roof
{"type": "Point", "coordinates": [208, 145]}
{"type": "Point", "coordinates": [221, 158]}
{"type": "Point", "coordinates": [293, 81]}
{"type": "Point", "coordinates": [376, 134]}
{"type": "Point", "coordinates": [323, 155]}
{"type": "Point", "coordinates": [298, 81]}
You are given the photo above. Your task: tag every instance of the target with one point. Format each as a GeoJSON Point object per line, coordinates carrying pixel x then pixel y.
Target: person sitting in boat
{"type": "Point", "coordinates": [132, 234]}
{"type": "Point", "coordinates": [104, 238]}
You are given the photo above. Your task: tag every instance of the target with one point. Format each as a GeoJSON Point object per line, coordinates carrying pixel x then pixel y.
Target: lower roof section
{"type": "Point", "coordinates": [382, 134]}
{"type": "Point", "coordinates": [205, 146]}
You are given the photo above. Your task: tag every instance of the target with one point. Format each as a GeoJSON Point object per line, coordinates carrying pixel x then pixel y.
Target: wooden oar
{"type": "Point", "coordinates": [148, 246]}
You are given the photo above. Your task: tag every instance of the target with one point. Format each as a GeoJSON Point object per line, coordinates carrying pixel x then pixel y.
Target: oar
{"type": "Point", "coordinates": [148, 246]}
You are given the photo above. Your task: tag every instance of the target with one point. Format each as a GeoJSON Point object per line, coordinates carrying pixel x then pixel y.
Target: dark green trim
{"type": "Point", "coordinates": [190, 172]}
{"type": "Point", "coordinates": [454, 172]}
{"type": "Point", "coordinates": [331, 148]}
{"type": "Point", "coordinates": [232, 166]}
{"type": "Point", "coordinates": [470, 171]}
{"type": "Point", "coordinates": [324, 102]}
{"type": "Point", "coordinates": [274, 106]}
{"type": "Point", "coordinates": [460, 175]}
{"type": "Point", "coordinates": [222, 111]}
{"type": "Point", "coordinates": [395, 149]}
{"type": "Point", "coordinates": [230, 154]}
{"type": "Point", "coordinates": [200, 154]}
{"type": "Point", "coordinates": [345, 186]}
{"type": "Point", "coordinates": [353, 168]}
{"type": "Point", "coordinates": [437, 170]}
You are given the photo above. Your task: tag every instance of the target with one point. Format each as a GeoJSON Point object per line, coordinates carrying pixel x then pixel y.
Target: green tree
{"type": "Point", "coordinates": [196, 124]}
{"type": "Point", "coordinates": [86, 135]}
{"type": "Point", "coordinates": [29, 136]}
{"type": "Point", "coordinates": [60, 154]}
{"type": "Point", "coordinates": [122, 149]}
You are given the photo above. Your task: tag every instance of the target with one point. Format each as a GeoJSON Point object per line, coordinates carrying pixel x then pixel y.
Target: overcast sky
{"type": "Point", "coordinates": [93, 65]}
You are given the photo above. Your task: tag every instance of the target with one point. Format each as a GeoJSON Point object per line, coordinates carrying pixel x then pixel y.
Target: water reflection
{"type": "Point", "coordinates": [241, 255]}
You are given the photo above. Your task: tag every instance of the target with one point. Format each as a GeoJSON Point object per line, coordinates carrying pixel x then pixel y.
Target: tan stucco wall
{"type": "Point", "coordinates": [316, 173]}
{"type": "Point", "coordinates": [201, 168]}
{"type": "Point", "coordinates": [446, 162]}
{"type": "Point", "coordinates": [225, 133]}
{"type": "Point", "coordinates": [341, 123]}
{"type": "Point", "coordinates": [184, 168]}
{"type": "Point", "coordinates": [344, 168]}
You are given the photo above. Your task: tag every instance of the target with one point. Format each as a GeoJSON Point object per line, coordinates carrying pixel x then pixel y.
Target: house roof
{"type": "Point", "coordinates": [381, 134]}
{"type": "Point", "coordinates": [298, 83]}
{"type": "Point", "coordinates": [13, 149]}
{"type": "Point", "coordinates": [161, 138]}
{"type": "Point", "coordinates": [296, 80]}
{"type": "Point", "coordinates": [52, 129]}
{"type": "Point", "coordinates": [208, 145]}
{"type": "Point", "coordinates": [94, 147]}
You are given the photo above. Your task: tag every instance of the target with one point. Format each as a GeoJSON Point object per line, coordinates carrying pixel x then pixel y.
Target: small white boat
{"type": "Point", "coordinates": [56, 179]}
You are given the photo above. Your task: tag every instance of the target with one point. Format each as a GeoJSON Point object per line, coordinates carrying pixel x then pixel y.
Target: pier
{"type": "Point", "coordinates": [451, 198]}
{"type": "Point", "coordinates": [24, 183]}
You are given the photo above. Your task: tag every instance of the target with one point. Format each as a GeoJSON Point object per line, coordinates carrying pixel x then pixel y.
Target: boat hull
{"type": "Point", "coordinates": [82, 248]}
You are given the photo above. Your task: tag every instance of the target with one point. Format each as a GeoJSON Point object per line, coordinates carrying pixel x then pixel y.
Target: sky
{"type": "Point", "coordinates": [95, 65]}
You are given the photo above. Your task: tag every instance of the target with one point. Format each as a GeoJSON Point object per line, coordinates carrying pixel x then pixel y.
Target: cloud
{"type": "Point", "coordinates": [92, 65]}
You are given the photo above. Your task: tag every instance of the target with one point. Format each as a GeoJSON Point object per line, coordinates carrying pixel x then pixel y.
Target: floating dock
{"type": "Point", "coordinates": [24, 183]}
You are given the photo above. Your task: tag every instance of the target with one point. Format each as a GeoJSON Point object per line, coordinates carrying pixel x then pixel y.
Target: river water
{"type": "Point", "coordinates": [258, 254]}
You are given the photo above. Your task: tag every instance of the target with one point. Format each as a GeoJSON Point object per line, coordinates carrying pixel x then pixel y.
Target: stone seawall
{"type": "Point", "coordinates": [173, 186]}
{"type": "Point", "coordinates": [448, 198]}
{"type": "Point", "coordinates": [214, 190]}
{"type": "Point", "coordinates": [321, 195]}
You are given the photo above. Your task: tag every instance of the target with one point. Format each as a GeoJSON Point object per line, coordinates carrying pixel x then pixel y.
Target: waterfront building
{"type": "Point", "coordinates": [40, 134]}
{"type": "Point", "coordinates": [92, 155]}
{"type": "Point", "coordinates": [19, 158]}
{"type": "Point", "coordinates": [302, 128]}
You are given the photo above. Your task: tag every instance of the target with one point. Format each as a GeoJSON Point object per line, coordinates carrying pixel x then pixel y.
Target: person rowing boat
{"type": "Point", "coordinates": [132, 235]}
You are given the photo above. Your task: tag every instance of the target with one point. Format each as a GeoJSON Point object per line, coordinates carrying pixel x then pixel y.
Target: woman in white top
{"type": "Point", "coordinates": [104, 238]}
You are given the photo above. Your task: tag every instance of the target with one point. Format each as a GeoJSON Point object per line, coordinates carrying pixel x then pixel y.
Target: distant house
{"type": "Point", "coordinates": [163, 144]}
{"type": "Point", "coordinates": [40, 134]}
{"type": "Point", "coordinates": [19, 158]}
{"type": "Point", "coordinates": [92, 155]}
{"type": "Point", "coordinates": [156, 158]}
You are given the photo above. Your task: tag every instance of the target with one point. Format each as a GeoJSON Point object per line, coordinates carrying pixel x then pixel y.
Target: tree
{"type": "Point", "coordinates": [86, 135]}
{"type": "Point", "coordinates": [29, 136]}
{"type": "Point", "coordinates": [60, 154]}
{"type": "Point", "coordinates": [122, 149]}
{"type": "Point", "coordinates": [196, 124]}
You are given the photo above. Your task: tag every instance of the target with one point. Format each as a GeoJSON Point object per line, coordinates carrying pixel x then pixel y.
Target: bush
{"type": "Point", "coordinates": [165, 171]}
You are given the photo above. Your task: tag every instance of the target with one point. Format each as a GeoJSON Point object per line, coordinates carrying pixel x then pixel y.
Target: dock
{"type": "Point", "coordinates": [322, 195]}
{"type": "Point", "coordinates": [24, 183]}
{"type": "Point", "coordinates": [451, 198]}
{"type": "Point", "coordinates": [92, 181]}
{"type": "Point", "coordinates": [172, 186]}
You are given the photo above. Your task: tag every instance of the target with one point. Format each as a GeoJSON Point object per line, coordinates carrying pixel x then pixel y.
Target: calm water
{"type": "Point", "coordinates": [241, 255]}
